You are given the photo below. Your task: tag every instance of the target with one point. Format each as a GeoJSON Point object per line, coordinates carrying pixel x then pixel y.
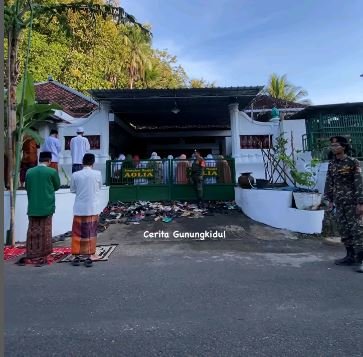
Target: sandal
{"type": "Point", "coordinates": [88, 263]}
{"type": "Point", "coordinates": [41, 262]}
{"type": "Point", "coordinates": [76, 261]}
{"type": "Point", "coordinates": [21, 262]}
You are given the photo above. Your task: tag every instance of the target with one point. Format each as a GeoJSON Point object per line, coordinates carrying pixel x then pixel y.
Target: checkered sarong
{"type": "Point", "coordinates": [84, 235]}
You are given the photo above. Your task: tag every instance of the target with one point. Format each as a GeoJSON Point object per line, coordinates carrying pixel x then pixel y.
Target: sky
{"type": "Point", "coordinates": [318, 44]}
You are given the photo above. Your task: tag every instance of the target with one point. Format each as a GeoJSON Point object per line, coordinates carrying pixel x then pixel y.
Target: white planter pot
{"type": "Point", "coordinates": [307, 200]}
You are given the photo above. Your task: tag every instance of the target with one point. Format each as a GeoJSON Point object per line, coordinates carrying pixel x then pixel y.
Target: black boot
{"type": "Point", "coordinates": [360, 262]}
{"type": "Point", "coordinates": [348, 259]}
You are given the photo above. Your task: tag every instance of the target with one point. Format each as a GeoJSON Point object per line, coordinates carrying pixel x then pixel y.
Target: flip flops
{"type": "Point", "coordinates": [76, 261]}
{"type": "Point", "coordinates": [21, 262]}
{"type": "Point", "coordinates": [41, 262]}
{"type": "Point", "coordinates": [88, 263]}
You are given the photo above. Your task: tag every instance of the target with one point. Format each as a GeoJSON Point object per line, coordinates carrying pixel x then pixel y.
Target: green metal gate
{"type": "Point", "coordinates": [320, 129]}
{"type": "Point", "coordinates": [165, 180]}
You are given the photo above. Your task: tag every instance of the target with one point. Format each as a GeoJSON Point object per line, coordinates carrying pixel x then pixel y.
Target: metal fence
{"type": "Point", "coordinates": [319, 130]}
{"type": "Point", "coordinates": [165, 172]}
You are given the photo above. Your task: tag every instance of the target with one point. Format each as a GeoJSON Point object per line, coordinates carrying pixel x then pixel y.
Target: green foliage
{"type": "Point", "coordinates": [304, 178]}
{"type": "Point", "coordinates": [32, 111]}
{"type": "Point", "coordinates": [164, 72]}
{"type": "Point", "coordinates": [96, 52]}
{"type": "Point", "coordinates": [138, 60]}
{"type": "Point", "coordinates": [201, 83]}
{"type": "Point", "coordinates": [47, 56]}
{"type": "Point", "coordinates": [278, 87]}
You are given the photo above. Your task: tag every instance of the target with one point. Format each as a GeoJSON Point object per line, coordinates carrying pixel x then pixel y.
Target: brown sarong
{"type": "Point", "coordinates": [224, 172]}
{"type": "Point", "coordinates": [39, 237]}
{"type": "Point", "coordinates": [84, 235]}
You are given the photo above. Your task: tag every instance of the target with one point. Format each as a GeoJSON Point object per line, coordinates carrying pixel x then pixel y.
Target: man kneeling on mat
{"type": "Point", "coordinates": [86, 184]}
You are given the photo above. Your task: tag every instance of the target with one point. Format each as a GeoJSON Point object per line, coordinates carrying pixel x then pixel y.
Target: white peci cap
{"type": "Point", "coordinates": [80, 130]}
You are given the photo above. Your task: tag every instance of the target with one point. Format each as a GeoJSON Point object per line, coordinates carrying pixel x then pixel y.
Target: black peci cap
{"type": "Point", "coordinates": [45, 156]}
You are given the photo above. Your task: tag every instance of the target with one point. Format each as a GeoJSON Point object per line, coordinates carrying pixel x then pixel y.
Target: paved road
{"type": "Point", "coordinates": [259, 292]}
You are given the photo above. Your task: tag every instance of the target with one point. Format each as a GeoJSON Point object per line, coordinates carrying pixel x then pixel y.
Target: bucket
{"type": "Point", "coordinates": [307, 200]}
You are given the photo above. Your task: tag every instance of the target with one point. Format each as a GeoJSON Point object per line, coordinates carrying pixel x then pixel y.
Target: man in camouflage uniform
{"type": "Point", "coordinates": [344, 190]}
{"type": "Point", "coordinates": [197, 172]}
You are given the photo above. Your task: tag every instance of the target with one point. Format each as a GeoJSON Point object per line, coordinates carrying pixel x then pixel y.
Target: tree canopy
{"type": "Point", "coordinates": [96, 52]}
{"type": "Point", "coordinates": [278, 87]}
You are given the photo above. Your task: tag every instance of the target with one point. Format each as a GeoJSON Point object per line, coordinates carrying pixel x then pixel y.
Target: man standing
{"type": "Point", "coordinates": [53, 145]}
{"type": "Point", "coordinates": [197, 171]}
{"type": "Point", "coordinates": [344, 190]}
{"type": "Point", "coordinates": [86, 184]}
{"type": "Point", "coordinates": [29, 158]}
{"type": "Point", "coordinates": [41, 182]}
{"type": "Point", "coordinates": [79, 146]}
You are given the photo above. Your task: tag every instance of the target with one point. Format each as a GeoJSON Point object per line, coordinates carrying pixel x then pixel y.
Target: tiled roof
{"type": "Point", "coordinates": [72, 102]}
{"type": "Point", "coordinates": [267, 102]}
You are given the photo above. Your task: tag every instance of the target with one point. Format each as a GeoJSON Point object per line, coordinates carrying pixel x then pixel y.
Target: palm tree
{"type": "Point", "coordinates": [18, 16]}
{"type": "Point", "coordinates": [139, 61]}
{"type": "Point", "coordinates": [278, 87]}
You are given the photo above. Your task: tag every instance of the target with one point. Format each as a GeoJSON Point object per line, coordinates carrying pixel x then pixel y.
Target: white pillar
{"type": "Point", "coordinates": [234, 115]}
{"type": "Point", "coordinates": [105, 108]}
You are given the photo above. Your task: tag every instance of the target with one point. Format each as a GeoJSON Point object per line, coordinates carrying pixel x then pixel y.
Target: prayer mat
{"type": "Point", "coordinates": [103, 251]}
{"type": "Point", "coordinates": [18, 251]}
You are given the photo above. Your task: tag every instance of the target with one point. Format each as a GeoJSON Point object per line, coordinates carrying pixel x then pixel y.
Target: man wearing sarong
{"type": "Point", "coordinates": [41, 182]}
{"type": "Point", "coordinates": [86, 184]}
{"type": "Point", "coordinates": [29, 158]}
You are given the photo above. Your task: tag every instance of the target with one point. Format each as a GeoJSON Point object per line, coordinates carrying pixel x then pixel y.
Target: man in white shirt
{"type": "Point", "coordinates": [79, 146]}
{"type": "Point", "coordinates": [52, 144]}
{"type": "Point", "coordinates": [86, 184]}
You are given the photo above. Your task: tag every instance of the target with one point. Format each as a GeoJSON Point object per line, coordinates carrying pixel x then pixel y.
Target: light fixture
{"type": "Point", "coordinates": [175, 110]}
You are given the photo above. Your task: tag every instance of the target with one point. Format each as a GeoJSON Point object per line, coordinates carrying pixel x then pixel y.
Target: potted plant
{"type": "Point", "coordinates": [305, 194]}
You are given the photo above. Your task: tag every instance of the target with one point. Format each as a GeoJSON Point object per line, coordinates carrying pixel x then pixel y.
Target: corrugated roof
{"type": "Point", "coordinates": [151, 109]}
{"type": "Point", "coordinates": [327, 109]}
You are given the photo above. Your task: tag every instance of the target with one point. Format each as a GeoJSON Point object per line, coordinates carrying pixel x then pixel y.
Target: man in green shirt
{"type": "Point", "coordinates": [41, 182]}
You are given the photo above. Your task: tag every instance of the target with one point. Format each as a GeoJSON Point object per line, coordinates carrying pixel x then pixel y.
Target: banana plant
{"type": "Point", "coordinates": [19, 16]}
{"type": "Point", "coordinates": [28, 114]}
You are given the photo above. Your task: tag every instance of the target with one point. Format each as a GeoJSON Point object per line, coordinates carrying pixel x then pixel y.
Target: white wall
{"type": "Point", "coordinates": [273, 207]}
{"type": "Point", "coordinates": [297, 128]}
{"type": "Point", "coordinates": [228, 143]}
{"type": "Point", "coordinates": [96, 124]}
{"type": "Point", "coordinates": [62, 218]}
{"type": "Point", "coordinates": [250, 160]}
